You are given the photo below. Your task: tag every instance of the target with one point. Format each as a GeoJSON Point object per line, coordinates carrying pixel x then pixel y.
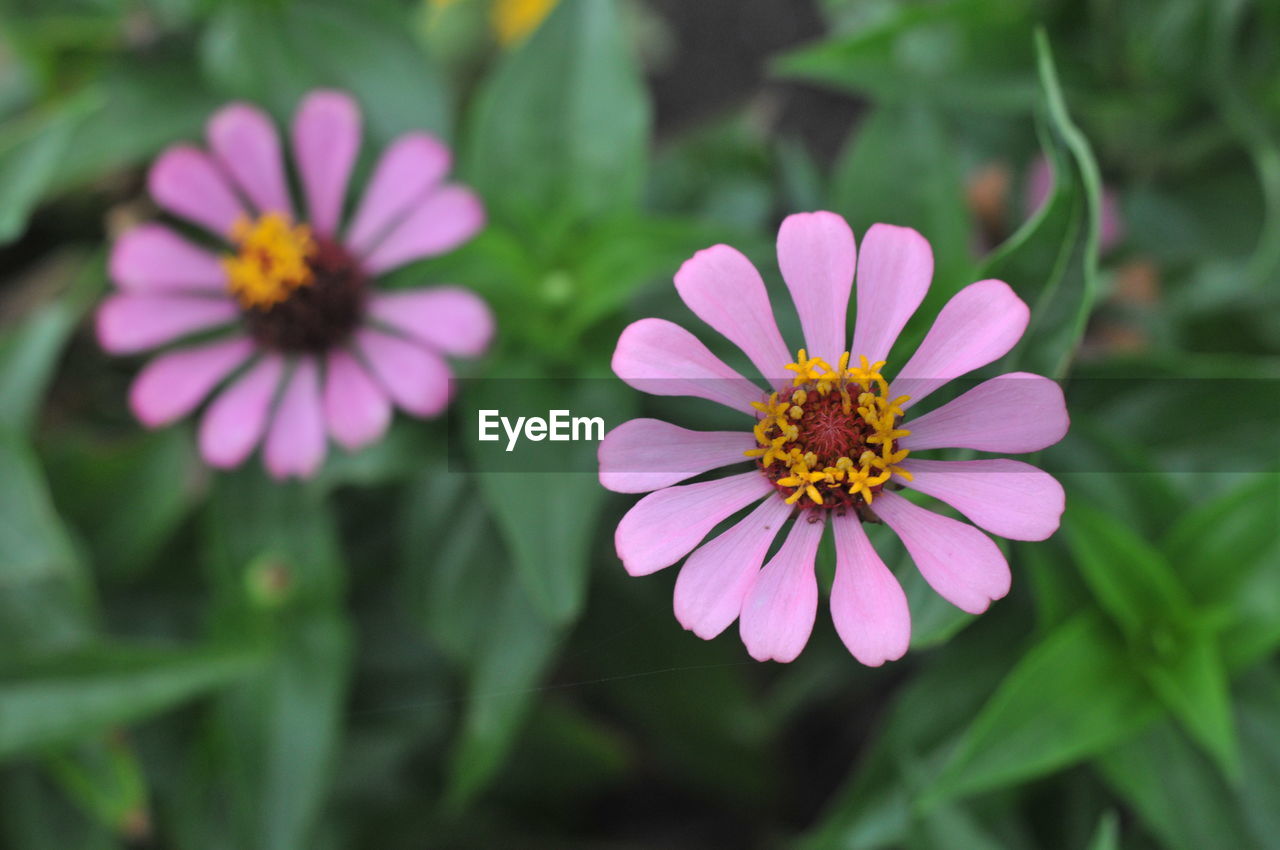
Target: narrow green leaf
{"type": "Point", "coordinates": [106, 778]}
{"type": "Point", "coordinates": [1193, 684]}
{"type": "Point", "coordinates": [1130, 578]}
{"type": "Point", "coordinates": [1072, 696]}
{"type": "Point", "coordinates": [517, 649]}
{"type": "Point", "coordinates": [52, 699]}
{"type": "Point", "coordinates": [1216, 545]}
{"type": "Point", "coordinates": [30, 154]}
{"type": "Point", "coordinates": [1107, 836]}
{"type": "Point", "coordinates": [563, 122]}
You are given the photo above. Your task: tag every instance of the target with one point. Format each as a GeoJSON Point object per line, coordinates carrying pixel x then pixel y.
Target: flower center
{"type": "Point", "coordinates": [831, 441]}
{"type": "Point", "coordinates": [296, 292]}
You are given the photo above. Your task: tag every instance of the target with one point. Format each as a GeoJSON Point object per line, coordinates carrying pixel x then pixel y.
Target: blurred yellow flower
{"type": "Point", "coordinates": [514, 20]}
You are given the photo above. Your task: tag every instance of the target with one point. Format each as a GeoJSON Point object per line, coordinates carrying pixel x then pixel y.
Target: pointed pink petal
{"type": "Point", "coordinates": [326, 141]}
{"type": "Point", "coordinates": [440, 222]}
{"type": "Point", "coordinates": [186, 182]}
{"type": "Point", "coordinates": [447, 318]}
{"type": "Point", "coordinates": [234, 422]}
{"type": "Point", "coordinates": [661, 528]}
{"type": "Point", "coordinates": [715, 579]}
{"type": "Point", "coordinates": [245, 142]}
{"type": "Point", "coordinates": [781, 606]}
{"type": "Point", "coordinates": [978, 325]}
{"type": "Point", "coordinates": [171, 385]}
{"type": "Point", "coordinates": [661, 358]}
{"type": "Point", "coordinates": [724, 289]}
{"type": "Point", "coordinates": [868, 606]}
{"type": "Point", "coordinates": [130, 323]}
{"type": "Point", "coordinates": [415, 378]}
{"type": "Point", "coordinates": [1014, 413]}
{"type": "Point", "coordinates": [893, 277]}
{"type": "Point", "coordinates": [959, 561]}
{"type": "Point", "coordinates": [295, 445]}
{"type": "Point", "coordinates": [1006, 497]}
{"type": "Point", "coordinates": [409, 169]}
{"type": "Point", "coordinates": [152, 258]}
{"type": "Point", "coordinates": [817, 255]}
{"type": "Point", "coordinates": [356, 408]}
{"type": "Point", "coordinates": [648, 454]}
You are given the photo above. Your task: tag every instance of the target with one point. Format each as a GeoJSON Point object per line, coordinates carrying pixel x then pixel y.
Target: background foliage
{"type": "Point", "coordinates": [397, 655]}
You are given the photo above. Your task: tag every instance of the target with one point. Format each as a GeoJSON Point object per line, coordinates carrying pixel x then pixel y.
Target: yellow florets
{"type": "Point", "coordinates": [272, 261]}
{"type": "Point", "coordinates": [812, 438]}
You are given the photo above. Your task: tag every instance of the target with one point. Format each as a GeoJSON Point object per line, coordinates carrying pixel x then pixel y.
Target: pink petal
{"type": "Point", "coordinates": [356, 408]}
{"type": "Point", "coordinates": [817, 255]}
{"type": "Point", "coordinates": [661, 358]}
{"type": "Point", "coordinates": [244, 140]}
{"type": "Point", "coordinates": [978, 325]}
{"type": "Point", "coordinates": [152, 258]}
{"type": "Point", "coordinates": [415, 378]}
{"type": "Point", "coordinates": [1014, 413]}
{"type": "Point", "coordinates": [295, 445]}
{"type": "Point", "coordinates": [893, 278]}
{"type": "Point", "coordinates": [408, 170]}
{"type": "Point", "coordinates": [440, 222]}
{"type": "Point", "coordinates": [661, 528]}
{"type": "Point", "coordinates": [171, 385]}
{"type": "Point", "coordinates": [716, 578]}
{"type": "Point", "coordinates": [447, 318]}
{"type": "Point", "coordinates": [648, 454]}
{"type": "Point", "coordinates": [130, 323]}
{"type": "Point", "coordinates": [724, 289]}
{"type": "Point", "coordinates": [326, 140]}
{"type": "Point", "coordinates": [868, 606]}
{"type": "Point", "coordinates": [779, 609]}
{"type": "Point", "coordinates": [234, 422]}
{"type": "Point", "coordinates": [959, 561]}
{"type": "Point", "coordinates": [1006, 497]}
{"type": "Point", "coordinates": [186, 182]}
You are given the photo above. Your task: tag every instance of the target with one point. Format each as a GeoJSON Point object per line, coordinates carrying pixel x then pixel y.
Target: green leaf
{"type": "Point", "coordinates": [512, 659]}
{"type": "Point", "coordinates": [47, 599]}
{"type": "Point", "coordinates": [52, 699]}
{"type": "Point", "coordinates": [31, 152]}
{"type": "Point", "coordinates": [1192, 682]}
{"type": "Point", "coordinates": [935, 53]}
{"type": "Point", "coordinates": [107, 780]}
{"type": "Point", "coordinates": [1130, 578]}
{"type": "Point", "coordinates": [1176, 791]}
{"type": "Point", "coordinates": [158, 469]}
{"type": "Point", "coordinates": [1220, 542]}
{"type": "Point", "coordinates": [276, 53]}
{"type": "Point", "coordinates": [562, 125]}
{"type": "Point", "coordinates": [1072, 696]}
{"type": "Point", "coordinates": [1107, 836]}
{"type": "Point", "coordinates": [30, 348]}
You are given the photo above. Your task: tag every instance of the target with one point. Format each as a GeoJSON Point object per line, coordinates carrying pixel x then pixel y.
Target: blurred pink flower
{"type": "Point", "coordinates": [827, 440]}
{"type": "Point", "coordinates": [1039, 186]}
{"type": "Point", "coordinates": [292, 310]}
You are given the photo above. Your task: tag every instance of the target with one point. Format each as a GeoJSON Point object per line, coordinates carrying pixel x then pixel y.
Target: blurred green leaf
{"type": "Point", "coordinates": [510, 662]}
{"type": "Point", "coordinates": [1220, 542]}
{"type": "Point", "coordinates": [52, 699]}
{"type": "Point", "coordinates": [158, 470]}
{"type": "Point", "coordinates": [31, 152]}
{"type": "Point", "coordinates": [1108, 835]}
{"type": "Point", "coordinates": [562, 125]}
{"type": "Point", "coordinates": [1071, 696]}
{"type": "Point", "coordinates": [107, 779]}
{"type": "Point", "coordinates": [1193, 683]}
{"type": "Point", "coordinates": [275, 53]}
{"type": "Point", "coordinates": [45, 596]}
{"type": "Point", "coordinates": [937, 53]}
{"type": "Point", "coordinates": [1130, 578]}
{"type": "Point", "coordinates": [31, 347]}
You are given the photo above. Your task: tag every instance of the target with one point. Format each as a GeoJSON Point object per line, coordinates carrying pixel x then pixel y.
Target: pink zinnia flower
{"type": "Point", "coordinates": [830, 443]}
{"type": "Point", "coordinates": [288, 306]}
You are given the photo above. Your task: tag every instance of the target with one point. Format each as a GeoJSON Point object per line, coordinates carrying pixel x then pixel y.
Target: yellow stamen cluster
{"type": "Point", "coordinates": [272, 261]}
{"type": "Point", "coordinates": [864, 399]}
